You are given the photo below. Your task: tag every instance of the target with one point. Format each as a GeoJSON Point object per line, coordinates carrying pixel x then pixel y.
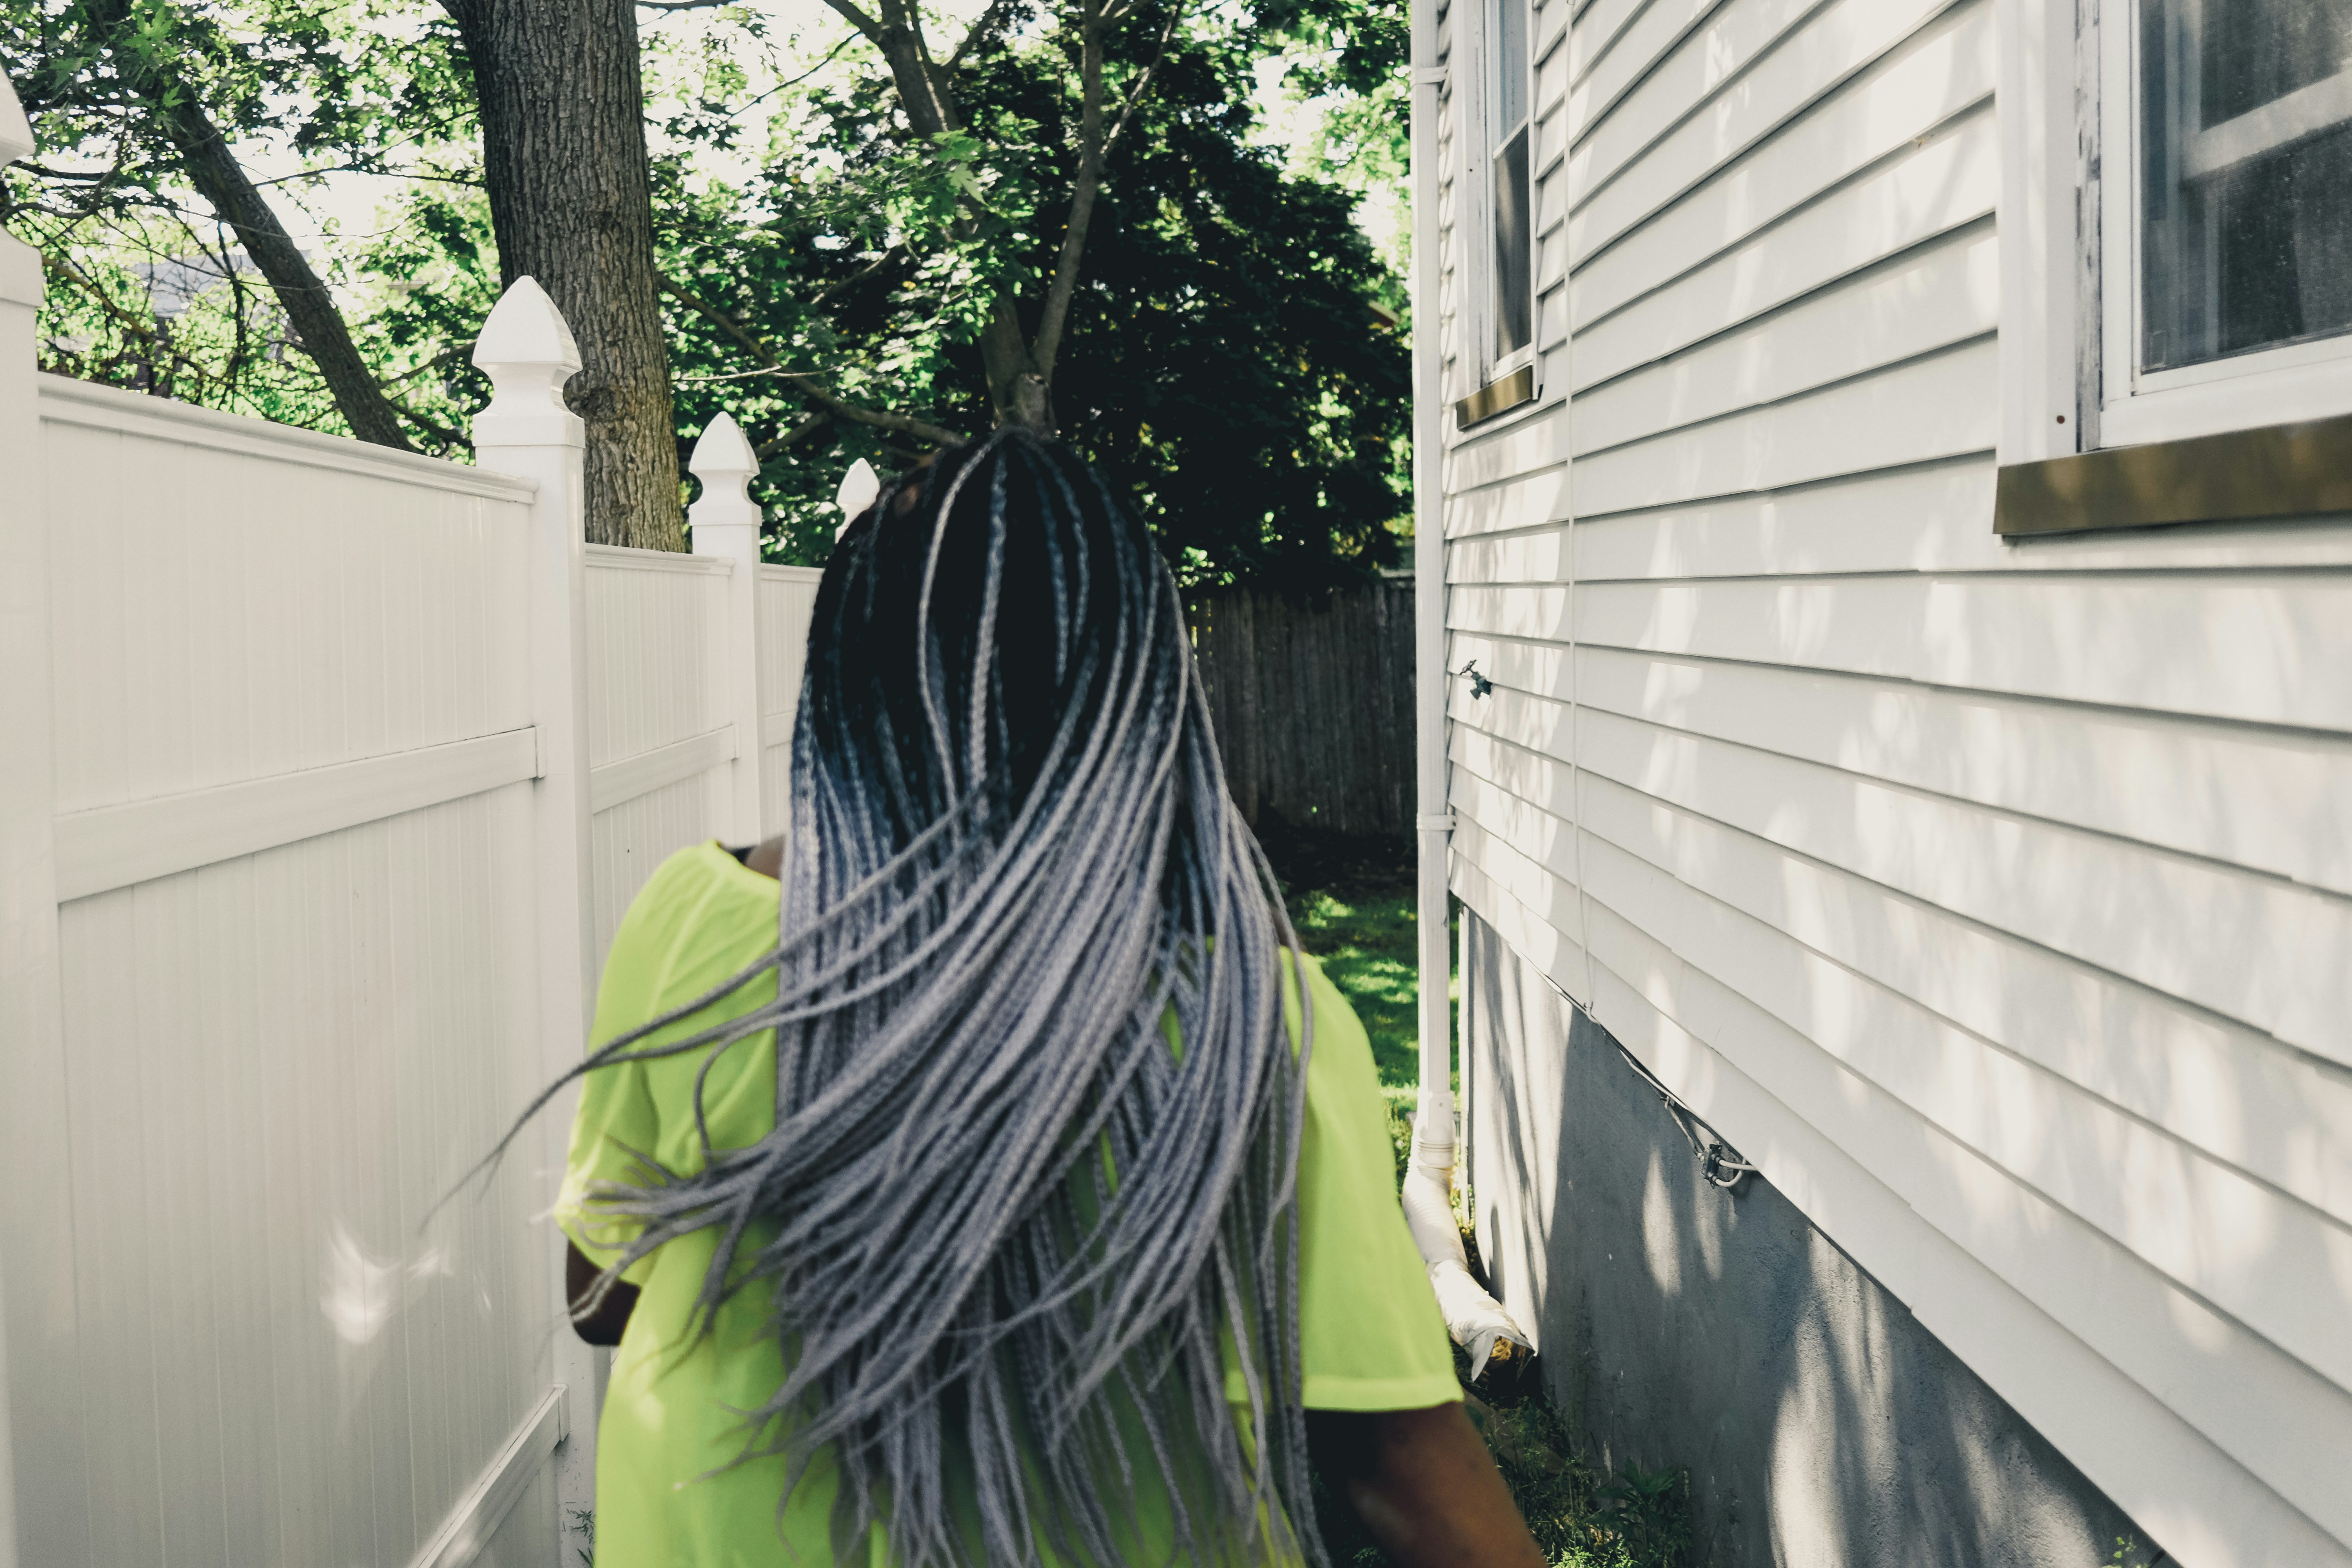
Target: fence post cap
{"type": "Point", "coordinates": [721, 452]}
{"type": "Point", "coordinates": [725, 518]}
{"type": "Point", "coordinates": [858, 489]}
{"type": "Point", "coordinates": [527, 351]}
{"type": "Point", "coordinates": [15, 130]}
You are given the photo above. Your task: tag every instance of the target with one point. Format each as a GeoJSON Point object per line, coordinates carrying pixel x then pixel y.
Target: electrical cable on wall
{"type": "Point", "coordinates": [1719, 1162]}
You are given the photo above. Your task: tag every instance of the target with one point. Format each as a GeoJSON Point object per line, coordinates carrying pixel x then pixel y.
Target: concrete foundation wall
{"type": "Point", "coordinates": [1685, 1326]}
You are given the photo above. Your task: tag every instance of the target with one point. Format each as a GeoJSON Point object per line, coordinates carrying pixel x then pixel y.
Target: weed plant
{"type": "Point", "coordinates": [1580, 1516]}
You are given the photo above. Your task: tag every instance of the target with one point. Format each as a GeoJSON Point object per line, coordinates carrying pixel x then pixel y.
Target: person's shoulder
{"type": "Point", "coordinates": [700, 908]}
{"type": "Point", "coordinates": [701, 872]}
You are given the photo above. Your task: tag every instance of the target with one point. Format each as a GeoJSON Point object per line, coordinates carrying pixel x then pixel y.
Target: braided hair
{"type": "Point", "coordinates": [1028, 1209]}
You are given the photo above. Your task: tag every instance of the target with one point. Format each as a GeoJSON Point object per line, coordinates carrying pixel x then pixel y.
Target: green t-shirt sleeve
{"type": "Point", "coordinates": [698, 920]}
{"type": "Point", "coordinates": [617, 1124]}
{"type": "Point", "coordinates": [1372, 1337]}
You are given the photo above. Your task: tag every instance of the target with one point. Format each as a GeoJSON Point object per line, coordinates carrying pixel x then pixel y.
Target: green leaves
{"type": "Point", "coordinates": [1224, 358]}
{"type": "Point", "coordinates": [341, 84]}
{"type": "Point", "coordinates": [1231, 357]}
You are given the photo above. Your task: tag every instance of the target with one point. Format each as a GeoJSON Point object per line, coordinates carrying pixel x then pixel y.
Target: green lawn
{"type": "Point", "coordinates": [1353, 903]}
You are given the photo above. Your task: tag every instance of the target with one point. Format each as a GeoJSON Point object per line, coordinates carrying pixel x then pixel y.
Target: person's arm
{"type": "Point", "coordinates": [1424, 1485]}
{"type": "Point", "coordinates": [603, 1326]}
{"type": "Point", "coordinates": [767, 859]}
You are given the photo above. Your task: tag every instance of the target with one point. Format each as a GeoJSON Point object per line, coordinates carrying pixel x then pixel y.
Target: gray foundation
{"type": "Point", "coordinates": [1682, 1326]}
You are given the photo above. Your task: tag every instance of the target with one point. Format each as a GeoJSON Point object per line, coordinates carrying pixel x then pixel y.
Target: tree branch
{"type": "Point", "coordinates": [454, 351]}
{"type": "Point", "coordinates": [804, 381]}
{"type": "Point", "coordinates": [793, 437]}
{"type": "Point", "coordinates": [212, 167]}
{"type": "Point", "coordinates": [1083, 190]}
{"type": "Point", "coordinates": [859, 20]}
{"type": "Point", "coordinates": [361, 169]}
{"type": "Point", "coordinates": [879, 420]}
{"type": "Point", "coordinates": [133, 327]}
{"type": "Point", "coordinates": [1094, 152]}
{"type": "Point", "coordinates": [855, 278]}
{"type": "Point", "coordinates": [757, 373]}
{"type": "Point", "coordinates": [988, 19]}
{"type": "Point", "coordinates": [49, 173]}
{"type": "Point", "coordinates": [722, 319]}
{"type": "Point", "coordinates": [450, 439]}
{"type": "Point", "coordinates": [1143, 83]}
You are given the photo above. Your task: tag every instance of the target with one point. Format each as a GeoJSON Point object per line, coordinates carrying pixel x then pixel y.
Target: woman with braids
{"type": "Point", "coordinates": [963, 1177]}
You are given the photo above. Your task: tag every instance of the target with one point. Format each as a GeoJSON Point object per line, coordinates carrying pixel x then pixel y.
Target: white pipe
{"type": "Point", "coordinates": [1474, 1319]}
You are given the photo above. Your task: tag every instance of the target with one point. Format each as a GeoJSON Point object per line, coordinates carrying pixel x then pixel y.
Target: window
{"type": "Point", "coordinates": [2226, 216]}
{"type": "Point", "coordinates": [1509, 127]}
{"type": "Point", "coordinates": [1498, 132]}
{"type": "Point", "coordinates": [2176, 263]}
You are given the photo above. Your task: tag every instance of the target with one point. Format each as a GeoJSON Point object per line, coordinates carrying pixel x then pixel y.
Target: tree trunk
{"type": "Point", "coordinates": [212, 167]}
{"type": "Point", "coordinates": [563, 151]}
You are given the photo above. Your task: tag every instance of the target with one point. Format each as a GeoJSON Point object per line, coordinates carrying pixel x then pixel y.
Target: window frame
{"type": "Point", "coordinates": [2252, 437]}
{"type": "Point", "coordinates": [2289, 384]}
{"type": "Point", "coordinates": [1474, 83]}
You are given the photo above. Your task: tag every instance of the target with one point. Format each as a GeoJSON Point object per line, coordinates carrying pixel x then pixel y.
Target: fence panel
{"type": "Point", "coordinates": [292, 747]}
{"type": "Point", "coordinates": [328, 765]}
{"type": "Point", "coordinates": [787, 600]}
{"type": "Point", "coordinates": [1313, 704]}
{"type": "Point", "coordinates": [659, 730]}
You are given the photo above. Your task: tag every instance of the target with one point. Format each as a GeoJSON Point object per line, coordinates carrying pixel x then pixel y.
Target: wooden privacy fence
{"type": "Point", "coordinates": [1313, 704]}
{"type": "Point", "coordinates": [327, 771]}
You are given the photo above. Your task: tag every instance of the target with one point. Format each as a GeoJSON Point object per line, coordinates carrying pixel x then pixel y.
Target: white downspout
{"type": "Point", "coordinates": [1473, 1317]}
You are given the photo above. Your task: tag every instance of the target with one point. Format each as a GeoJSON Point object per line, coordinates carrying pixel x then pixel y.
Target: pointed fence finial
{"type": "Point", "coordinates": [15, 130]}
{"type": "Point", "coordinates": [858, 489]}
{"type": "Point", "coordinates": [723, 460]}
{"type": "Point", "coordinates": [526, 349]}
{"type": "Point", "coordinates": [721, 452]}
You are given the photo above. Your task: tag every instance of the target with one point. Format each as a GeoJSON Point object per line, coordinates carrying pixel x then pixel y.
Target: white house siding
{"type": "Point", "coordinates": [1996, 900]}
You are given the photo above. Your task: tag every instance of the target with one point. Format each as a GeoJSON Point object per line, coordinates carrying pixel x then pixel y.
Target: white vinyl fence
{"type": "Point", "coordinates": [325, 771]}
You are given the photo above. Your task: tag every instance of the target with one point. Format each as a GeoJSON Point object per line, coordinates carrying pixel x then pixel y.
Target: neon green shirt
{"type": "Point", "coordinates": [1372, 1337]}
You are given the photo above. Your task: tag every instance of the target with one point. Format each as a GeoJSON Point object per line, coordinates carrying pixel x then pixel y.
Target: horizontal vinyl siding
{"type": "Point", "coordinates": [2012, 882]}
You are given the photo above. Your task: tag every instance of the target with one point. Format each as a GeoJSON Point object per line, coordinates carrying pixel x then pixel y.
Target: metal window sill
{"type": "Point", "coordinates": [1499, 397]}
{"type": "Point", "coordinates": [2240, 476]}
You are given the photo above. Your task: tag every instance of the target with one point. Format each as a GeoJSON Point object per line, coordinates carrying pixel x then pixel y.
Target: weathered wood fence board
{"type": "Point", "coordinates": [1313, 704]}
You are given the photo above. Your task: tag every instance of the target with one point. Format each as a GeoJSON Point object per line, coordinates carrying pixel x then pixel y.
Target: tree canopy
{"type": "Point", "coordinates": [1233, 353]}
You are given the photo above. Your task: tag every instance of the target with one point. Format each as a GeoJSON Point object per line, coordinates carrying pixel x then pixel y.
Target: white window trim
{"type": "Point", "coordinates": [1474, 214]}
{"type": "Point", "coordinates": [2044, 166]}
{"type": "Point", "coordinates": [2069, 243]}
{"type": "Point", "coordinates": [2242, 392]}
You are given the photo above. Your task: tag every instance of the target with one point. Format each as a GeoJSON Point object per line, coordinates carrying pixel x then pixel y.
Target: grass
{"type": "Point", "coordinates": [1582, 1517]}
{"type": "Point", "coordinates": [1353, 903]}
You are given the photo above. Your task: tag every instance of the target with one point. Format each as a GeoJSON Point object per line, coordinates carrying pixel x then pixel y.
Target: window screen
{"type": "Point", "coordinates": [2245, 142]}
{"type": "Point", "coordinates": [1514, 226]}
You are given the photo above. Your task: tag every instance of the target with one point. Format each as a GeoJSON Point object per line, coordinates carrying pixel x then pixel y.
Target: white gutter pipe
{"type": "Point", "coordinates": [1474, 1319]}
